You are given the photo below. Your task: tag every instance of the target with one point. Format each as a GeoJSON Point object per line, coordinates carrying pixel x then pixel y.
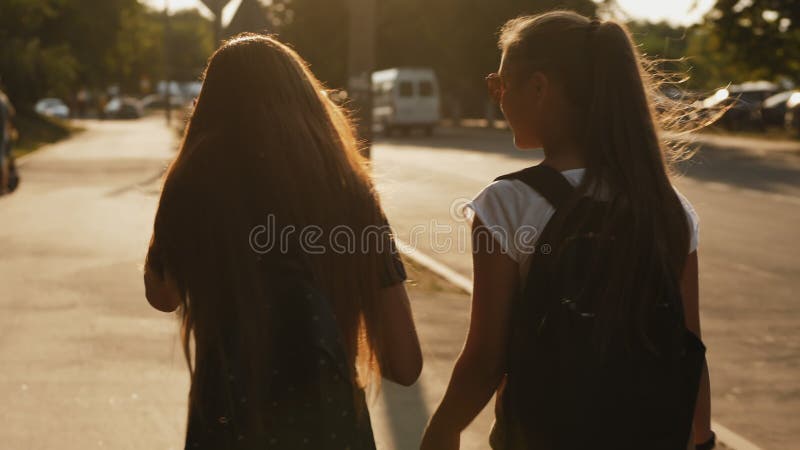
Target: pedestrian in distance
{"type": "Point", "coordinates": [584, 318]}
{"type": "Point", "coordinates": [9, 175]}
{"type": "Point", "coordinates": [281, 337]}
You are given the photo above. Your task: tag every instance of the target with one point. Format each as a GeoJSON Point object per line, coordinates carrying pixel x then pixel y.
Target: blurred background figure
{"type": "Point", "coordinates": [9, 177]}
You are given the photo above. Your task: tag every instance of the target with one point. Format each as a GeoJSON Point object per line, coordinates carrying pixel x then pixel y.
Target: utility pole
{"type": "Point", "coordinates": [361, 64]}
{"type": "Point", "coordinates": [167, 71]}
{"type": "Point", "coordinates": [216, 7]}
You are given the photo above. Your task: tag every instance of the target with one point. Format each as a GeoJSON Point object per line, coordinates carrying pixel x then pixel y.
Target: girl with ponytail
{"type": "Point", "coordinates": [578, 89]}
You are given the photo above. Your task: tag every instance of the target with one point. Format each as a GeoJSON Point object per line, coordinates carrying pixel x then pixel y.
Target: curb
{"type": "Point", "coordinates": [724, 434]}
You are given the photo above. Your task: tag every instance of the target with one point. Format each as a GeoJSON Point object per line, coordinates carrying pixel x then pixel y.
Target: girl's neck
{"type": "Point", "coordinates": [564, 156]}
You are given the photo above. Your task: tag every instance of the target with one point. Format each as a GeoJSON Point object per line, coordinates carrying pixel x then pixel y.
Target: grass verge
{"type": "Point", "coordinates": [421, 278]}
{"type": "Point", "coordinates": [36, 130]}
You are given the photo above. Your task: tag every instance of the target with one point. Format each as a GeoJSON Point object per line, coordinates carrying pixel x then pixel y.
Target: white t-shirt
{"type": "Point", "coordinates": [516, 215]}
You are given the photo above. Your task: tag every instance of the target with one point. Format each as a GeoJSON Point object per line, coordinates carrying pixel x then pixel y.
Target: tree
{"type": "Point", "coordinates": [31, 65]}
{"type": "Point", "coordinates": [93, 30]}
{"type": "Point", "coordinates": [660, 40]}
{"type": "Point", "coordinates": [318, 31]}
{"type": "Point", "coordinates": [455, 37]}
{"type": "Point", "coordinates": [762, 36]}
{"type": "Point", "coordinates": [191, 42]}
{"type": "Point", "coordinates": [712, 60]}
{"type": "Point", "coordinates": [54, 47]}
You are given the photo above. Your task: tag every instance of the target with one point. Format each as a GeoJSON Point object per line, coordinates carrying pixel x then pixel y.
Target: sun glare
{"type": "Point", "coordinates": [677, 12]}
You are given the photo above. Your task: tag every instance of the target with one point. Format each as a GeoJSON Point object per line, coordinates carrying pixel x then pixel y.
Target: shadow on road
{"type": "Point", "coordinates": [735, 166]}
{"type": "Point", "coordinates": [743, 168]}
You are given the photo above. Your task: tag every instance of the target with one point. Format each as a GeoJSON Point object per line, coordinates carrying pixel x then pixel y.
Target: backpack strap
{"type": "Point", "coordinates": [551, 185]}
{"type": "Point", "coordinates": [545, 180]}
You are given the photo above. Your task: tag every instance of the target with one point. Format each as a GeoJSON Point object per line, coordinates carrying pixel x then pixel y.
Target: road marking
{"type": "Point", "coordinates": [731, 439]}
{"type": "Point", "coordinates": [724, 434]}
{"type": "Point", "coordinates": [462, 282]}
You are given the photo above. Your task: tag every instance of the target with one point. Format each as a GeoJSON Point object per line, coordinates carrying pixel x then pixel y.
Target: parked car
{"type": "Point", "coordinates": [124, 108]}
{"type": "Point", "coordinates": [745, 102]}
{"type": "Point", "coordinates": [793, 112]}
{"type": "Point", "coordinates": [775, 108]}
{"type": "Point", "coordinates": [406, 98]}
{"type": "Point", "coordinates": [52, 107]}
{"type": "Point", "coordinates": [158, 101]}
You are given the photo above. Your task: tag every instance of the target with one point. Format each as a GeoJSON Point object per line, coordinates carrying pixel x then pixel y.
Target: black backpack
{"type": "Point", "coordinates": [559, 393]}
{"type": "Point", "coordinates": [312, 402]}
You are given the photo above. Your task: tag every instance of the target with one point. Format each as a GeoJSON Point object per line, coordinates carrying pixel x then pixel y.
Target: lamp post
{"type": "Point", "coordinates": [361, 64]}
{"type": "Point", "coordinates": [167, 72]}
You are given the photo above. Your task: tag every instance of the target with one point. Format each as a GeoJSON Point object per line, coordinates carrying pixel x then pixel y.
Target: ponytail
{"type": "Point", "coordinates": [605, 81]}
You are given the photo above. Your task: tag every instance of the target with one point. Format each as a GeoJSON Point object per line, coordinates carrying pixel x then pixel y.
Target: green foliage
{"type": "Point", "coordinates": [319, 32]}
{"type": "Point", "coordinates": [35, 131]}
{"type": "Point", "coordinates": [761, 36]}
{"type": "Point", "coordinates": [139, 52]}
{"type": "Point", "coordinates": [738, 41]}
{"type": "Point", "coordinates": [712, 61]}
{"type": "Point", "coordinates": [32, 64]}
{"type": "Point", "coordinates": [458, 38]}
{"type": "Point", "coordinates": [190, 43]}
{"type": "Point", "coordinates": [54, 47]}
{"type": "Point", "coordinates": [660, 40]}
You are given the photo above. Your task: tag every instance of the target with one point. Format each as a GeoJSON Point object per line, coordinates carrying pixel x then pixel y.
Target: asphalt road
{"type": "Point", "coordinates": [748, 199]}
{"type": "Point", "coordinates": [86, 363]}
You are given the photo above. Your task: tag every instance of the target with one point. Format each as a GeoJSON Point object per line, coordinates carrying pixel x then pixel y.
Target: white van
{"type": "Point", "coordinates": [405, 98]}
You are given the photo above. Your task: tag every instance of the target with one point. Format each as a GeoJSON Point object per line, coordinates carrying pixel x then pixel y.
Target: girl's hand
{"type": "Point", "coordinates": [437, 439]}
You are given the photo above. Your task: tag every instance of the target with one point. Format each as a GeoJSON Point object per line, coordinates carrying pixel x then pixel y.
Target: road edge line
{"type": "Point", "coordinates": [450, 275]}
{"type": "Point", "coordinates": [724, 434]}
{"type": "Point", "coordinates": [731, 439]}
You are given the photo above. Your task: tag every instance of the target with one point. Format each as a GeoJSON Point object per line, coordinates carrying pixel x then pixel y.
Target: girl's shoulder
{"type": "Point", "coordinates": [692, 218]}
{"type": "Point", "coordinates": [516, 200]}
{"type": "Point", "coordinates": [510, 208]}
{"type": "Point", "coordinates": [512, 211]}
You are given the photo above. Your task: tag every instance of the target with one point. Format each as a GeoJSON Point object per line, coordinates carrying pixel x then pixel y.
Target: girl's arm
{"type": "Point", "coordinates": [400, 354]}
{"type": "Point", "coordinates": [691, 304]}
{"type": "Point", "coordinates": [481, 365]}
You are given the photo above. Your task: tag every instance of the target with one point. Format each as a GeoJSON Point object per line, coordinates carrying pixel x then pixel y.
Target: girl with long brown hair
{"type": "Point", "coordinates": [271, 243]}
{"type": "Point", "coordinates": [588, 329]}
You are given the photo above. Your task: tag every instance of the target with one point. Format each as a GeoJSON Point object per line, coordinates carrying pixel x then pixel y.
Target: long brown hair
{"type": "Point", "coordinates": [263, 140]}
{"type": "Point", "coordinates": [611, 95]}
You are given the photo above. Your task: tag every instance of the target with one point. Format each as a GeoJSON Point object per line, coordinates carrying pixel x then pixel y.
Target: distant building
{"type": "Point", "coordinates": [251, 16]}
